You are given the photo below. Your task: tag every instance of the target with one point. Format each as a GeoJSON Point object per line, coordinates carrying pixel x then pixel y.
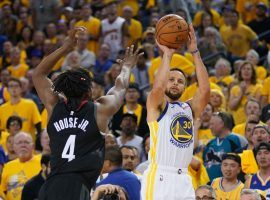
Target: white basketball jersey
{"type": "Point", "coordinates": [172, 136]}
{"type": "Point", "coordinates": [113, 34]}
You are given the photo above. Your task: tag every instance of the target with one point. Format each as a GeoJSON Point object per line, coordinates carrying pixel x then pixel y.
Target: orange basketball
{"type": "Point", "coordinates": [172, 31]}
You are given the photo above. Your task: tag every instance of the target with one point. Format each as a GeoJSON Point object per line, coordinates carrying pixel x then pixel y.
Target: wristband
{"type": "Point", "coordinates": [195, 51]}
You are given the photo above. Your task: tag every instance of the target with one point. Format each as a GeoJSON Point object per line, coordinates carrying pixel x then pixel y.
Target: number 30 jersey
{"type": "Point", "coordinates": [172, 139]}
{"type": "Point", "coordinates": [77, 146]}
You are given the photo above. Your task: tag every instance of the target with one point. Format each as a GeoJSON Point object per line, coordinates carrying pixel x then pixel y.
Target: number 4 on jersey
{"type": "Point", "coordinates": [68, 151]}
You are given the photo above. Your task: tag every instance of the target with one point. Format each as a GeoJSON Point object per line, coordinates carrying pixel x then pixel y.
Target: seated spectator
{"type": "Point", "coordinates": [205, 192]}
{"type": "Point", "coordinates": [260, 133]}
{"type": "Point", "coordinates": [110, 140]}
{"type": "Point", "coordinates": [37, 45]}
{"type": "Point", "coordinates": [132, 106]}
{"type": "Point", "coordinates": [128, 136]}
{"type": "Point", "coordinates": [4, 95]}
{"type": "Point", "coordinates": [31, 188]}
{"type": "Point", "coordinates": [5, 57]}
{"type": "Point", "coordinates": [252, 111]}
{"type": "Point", "coordinates": [103, 63]}
{"type": "Point", "coordinates": [224, 142]}
{"type": "Point", "coordinates": [247, 87]}
{"type": "Point", "coordinates": [228, 186]}
{"type": "Point", "coordinates": [17, 69]}
{"type": "Point", "coordinates": [113, 166]}
{"type": "Point", "coordinates": [72, 60]}
{"type": "Point", "coordinates": [261, 180]}
{"type": "Point", "coordinates": [20, 170]}
{"type": "Point", "coordinates": [10, 153]}
{"type": "Point", "coordinates": [130, 159]}
{"type": "Point", "coordinates": [217, 100]}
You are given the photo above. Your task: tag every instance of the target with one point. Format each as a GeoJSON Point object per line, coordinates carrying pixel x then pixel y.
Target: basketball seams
{"type": "Point", "coordinates": [170, 22]}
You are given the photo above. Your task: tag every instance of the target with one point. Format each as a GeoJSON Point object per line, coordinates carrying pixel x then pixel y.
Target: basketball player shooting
{"type": "Point", "coordinates": [75, 123]}
{"type": "Point", "coordinates": [171, 127]}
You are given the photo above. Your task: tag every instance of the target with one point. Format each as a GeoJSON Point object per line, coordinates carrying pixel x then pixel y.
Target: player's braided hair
{"type": "Point", "coordinates": [74, 84]}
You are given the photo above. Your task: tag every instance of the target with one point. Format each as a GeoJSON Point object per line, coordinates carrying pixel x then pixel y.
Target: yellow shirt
{"type": "Point", "coordinates": [204, 136]}
{"type": "Point", "coordinates": [248, 162]}
{"type": "Point", "coordinates": [261, 73]}
{"type": "Point", "coordinates": [198, 17]}
{"type": "Point", "coordinates": [44, 119]}
{"type": "Point", "coordinates": [191, 90]}
{"type": "Point", "coordinates": [239, 37]}
{"type": "Point", "coordinates": [266, 88]}
{"type": "Point", "coordinates": [16, 174]}
{"type": "Point", "coordinates": [252, 90]}
{"type": "Point", "coordinates": [3, 140]}
{"type": "Point", "coordinates": [135, 31]}
{"type": "Point", "coordinates": [230, 195]}
{"type": "Point", "coordinates": [26, 109]}
{"type": "Point", "coordinates": [18, 71]}
{"type": "Point", "coordinates": [178, 61]}
{"type": "Point", "coordinates": [226, 79]}
{"type": "Point", "coordinates": [93, 28]}
{"type": "Point", "coordinates": [240, 129]}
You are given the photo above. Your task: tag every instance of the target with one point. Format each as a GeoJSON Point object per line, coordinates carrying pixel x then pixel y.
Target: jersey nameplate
{"type": "Point", "coordinates": [71, 122]}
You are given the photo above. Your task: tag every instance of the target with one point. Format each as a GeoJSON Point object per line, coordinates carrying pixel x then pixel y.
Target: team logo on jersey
{"type": "Point", "coordinates": [181, 129]}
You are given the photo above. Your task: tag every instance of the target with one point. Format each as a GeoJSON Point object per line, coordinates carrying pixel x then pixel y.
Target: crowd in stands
{"type": "Point", "coordinates": [232, 151]}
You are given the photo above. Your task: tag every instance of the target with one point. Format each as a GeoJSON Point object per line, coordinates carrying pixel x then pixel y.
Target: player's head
{"type": "Point", "coordinates": [176, 84]}
{"type": "Point", "coordinates": [74, 84]}
{"type": "Point", "coordinates": [230, 166]}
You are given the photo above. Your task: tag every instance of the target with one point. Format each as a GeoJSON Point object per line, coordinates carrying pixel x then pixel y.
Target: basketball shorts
{"type": "Point", "coordinates": [64, 186]}
{"type": "Point", "coordinates": [166, 183]}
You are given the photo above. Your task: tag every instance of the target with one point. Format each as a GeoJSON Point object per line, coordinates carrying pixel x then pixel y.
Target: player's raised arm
{"type": "Point", "coordinates": [108, 105]}
{"type": "Point", "coordinates": [42, 83]}
{"type": "Point", "coordinates": [156, 98]}
{"type": "Point", "coordinates": [202, 95]}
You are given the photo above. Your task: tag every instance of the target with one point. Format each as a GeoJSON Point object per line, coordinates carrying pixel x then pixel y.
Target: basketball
{"type": "Point", "coordinates": [172, 31]}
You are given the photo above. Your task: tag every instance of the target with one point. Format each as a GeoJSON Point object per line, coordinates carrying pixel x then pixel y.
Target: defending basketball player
{"type": "Point", "coordinates": [171, 127]}
{"type": "Point", "coordinates": [75, 123]}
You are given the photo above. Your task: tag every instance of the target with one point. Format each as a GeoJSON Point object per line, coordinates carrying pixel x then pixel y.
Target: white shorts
{"type": "Point", "coordinates": [166, 183]}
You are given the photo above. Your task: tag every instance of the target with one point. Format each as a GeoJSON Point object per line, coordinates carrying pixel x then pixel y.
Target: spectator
{"type": "Point", "coordinates": [261, 22]}
{"type": "Point", "coordinates": [5, 57]}
{"type": "Point", "coordinates": [247, 87]}
{"type": "Point", "coordinates": [260, 133]}
{"type": "Point", "coordinates": [205, 192]}
{"type": "Point", "coordinates": [51, 32]}
{"type": "Point", "coordinates": [248, 194]}
{"type": "Point", "coordinates": [132, 106]}
{"type": "Point", "coordinates": [25, 37]}
{"type": "Point", "coordinates": [92, 25]}
{"type": "Point", "coordinates": [4, 95]}
{"type": "Point", "coordinates": [129, 158]}
{"type": "Point", "coordinates": [261, 180]}
{"type": "Point", "coordinates": [72, 60]}
{"type": "Point", "coordinates": [20, 170]}
{"type": "Point", "coordinates": [128, 134]}
{"type": "Point", "coordinates": [217, 100]}
{"type": "Point", "coordinates": [103, 63]}
{"type": "Point", "coordinates": [31, 188]}
{"type": "Point", "coordinates": [114, 30]}
{"type": "Point", "coordinates": [17, 68]}
{"type": "Point", "coordinates": [110, 140]}
{"type": "Point", "coordinates": [37, 44]}
{"type": "Point", "coordinates": [112, 165]}
{"type": "Point", "coordinates": [8, 22]}
{"type": "Point", "coordinates": [237, 35]}
{"type": "Point", "coordinates": [252, 111]}
{"type": "Point", "coordinates": [24, 108]}
{"type": "Point", "coordinates": [11, 154]}
{"type": "Point", "coordinates": [228, 185]}
{"type": "Point", "coordinates": [206, 22]}
{"type": "Point", "coordinates": [45, 142]}
{"type": "Point", "coordinates": [220, 125]}
{"type": "Point", "coordinates": [211, 44]}
{"type": "Point", "coordinates": [134, 26]}
{"type": "Point", "coordinates": [250, 124]}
